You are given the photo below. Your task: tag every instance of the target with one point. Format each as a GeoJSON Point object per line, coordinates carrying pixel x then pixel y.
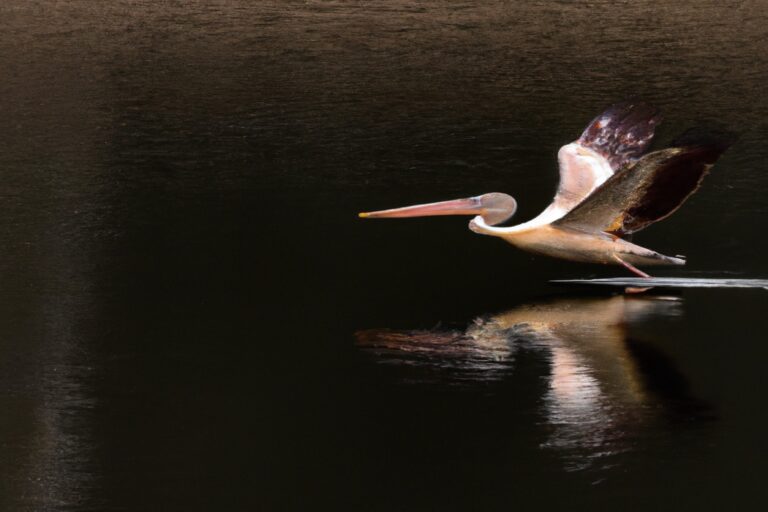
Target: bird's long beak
{"type": "Point", "coordinates": [468, 206]}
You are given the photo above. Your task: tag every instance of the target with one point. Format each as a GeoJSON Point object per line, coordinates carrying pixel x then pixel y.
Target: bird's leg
{"type": "Point", "coordinates": [634, 270]}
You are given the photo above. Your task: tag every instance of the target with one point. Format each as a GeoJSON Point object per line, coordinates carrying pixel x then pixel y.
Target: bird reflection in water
{"type": "Point", "coordinates": [602, 386]}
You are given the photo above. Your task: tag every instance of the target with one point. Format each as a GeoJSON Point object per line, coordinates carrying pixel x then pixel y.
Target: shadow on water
{"type": "Point", "coordinates": [603, 387]}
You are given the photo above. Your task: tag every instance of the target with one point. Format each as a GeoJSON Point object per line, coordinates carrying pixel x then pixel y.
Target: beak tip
{"type": "Point", "coordinates": [363, 215]}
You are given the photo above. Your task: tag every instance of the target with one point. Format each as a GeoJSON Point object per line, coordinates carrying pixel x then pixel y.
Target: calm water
{"type": "Point", "coordinates": [193, 318]}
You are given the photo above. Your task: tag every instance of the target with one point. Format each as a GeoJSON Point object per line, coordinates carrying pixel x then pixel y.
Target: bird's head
{"type": "Point", "coordinates": [494, 208]}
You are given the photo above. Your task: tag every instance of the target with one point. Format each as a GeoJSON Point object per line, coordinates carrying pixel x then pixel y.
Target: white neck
{"type": "Point", "coordinates": [548, 216]}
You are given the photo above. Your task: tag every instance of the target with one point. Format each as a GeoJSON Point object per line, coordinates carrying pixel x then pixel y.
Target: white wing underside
{"type": "Point", "coordinates": [582, 170]}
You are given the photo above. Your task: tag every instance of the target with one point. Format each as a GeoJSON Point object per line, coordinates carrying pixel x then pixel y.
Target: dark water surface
{"type": "Point", "coordinates": [193, 318]}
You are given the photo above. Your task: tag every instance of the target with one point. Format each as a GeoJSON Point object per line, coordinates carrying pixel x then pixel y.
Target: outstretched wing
{"type": "Point", "coordinates": [646, 191]}
{"type": "Point", "coordinates": [612, 140]}
{"type": "Point", "coordinates": [622, 133]}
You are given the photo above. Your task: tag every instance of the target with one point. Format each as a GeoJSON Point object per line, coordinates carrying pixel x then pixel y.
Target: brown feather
{"type": "Point", "coordinates": [646, 192]}
{"type": "Point", "coordinates": [622, 133]}
{"type": "Point", "coordinates": [612, 140]}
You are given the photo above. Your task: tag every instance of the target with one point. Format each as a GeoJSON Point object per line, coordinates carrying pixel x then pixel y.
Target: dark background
{"type": "Point", "coordinates": [183, 272]}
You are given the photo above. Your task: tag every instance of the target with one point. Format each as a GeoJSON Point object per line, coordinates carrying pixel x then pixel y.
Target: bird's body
{"type": "Point", "coordinates": [609, 187]}
{"type": "Point", "coordinates": [580, 246]}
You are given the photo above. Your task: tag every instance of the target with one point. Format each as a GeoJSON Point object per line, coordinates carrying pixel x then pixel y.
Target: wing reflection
{"type": "Point", "coordinates": [601, 385]}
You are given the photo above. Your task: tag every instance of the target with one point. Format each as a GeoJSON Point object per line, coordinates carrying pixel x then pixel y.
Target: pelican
{"type": "Point", "coordinates": [610, 187]}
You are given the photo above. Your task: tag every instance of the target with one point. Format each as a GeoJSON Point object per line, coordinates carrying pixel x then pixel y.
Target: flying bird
{"type": "Point", "coordinates": [610, 187]}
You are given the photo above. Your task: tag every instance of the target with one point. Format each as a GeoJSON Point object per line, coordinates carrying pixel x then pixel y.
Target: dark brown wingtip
{"type": "Point", "coordinates": [713, 140]}
{"type": "Point", "coordinates": [623, 132]}
{"type": "Point", "coordinates": [671, 183]}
